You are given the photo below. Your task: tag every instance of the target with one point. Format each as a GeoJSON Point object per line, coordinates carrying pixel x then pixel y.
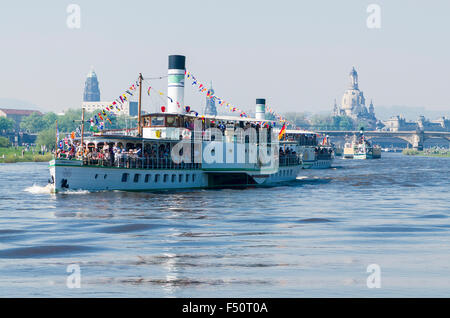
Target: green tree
{"type": "Point", "coordinates": [49, 120]}
{"type": "Point", "coordinates": [4, 142]}
{"type": "Point", "coordinates": [6, 124]}
{"type": "Point", "coordinates": [345, 123]}
{"type": "Point", "coordinates": [69, 121]}
{"type": "Point", "coordinates": [33, 123]}
{"type": "Point", "coordinates": [47, 138]}
{"type": "Point", "coordinates": [362, 125]}
{"type": "Point", "coordinates": [298, 119]}
{"type": "Point", "coordinates": [322, 122]}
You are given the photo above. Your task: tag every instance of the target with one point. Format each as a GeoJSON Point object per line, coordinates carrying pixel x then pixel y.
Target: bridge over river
{"type": "Point", "coordinates": [415, 138]}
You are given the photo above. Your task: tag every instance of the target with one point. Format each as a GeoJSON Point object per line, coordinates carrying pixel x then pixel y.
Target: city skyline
{"type": "Point", "coordinates": [298, 62]}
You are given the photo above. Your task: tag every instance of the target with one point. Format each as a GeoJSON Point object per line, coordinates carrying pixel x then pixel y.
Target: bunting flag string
{"type": "Point", "coordinates": [202, 88]}
{"type": "Point", "coordinates": [278, 117]}
{"type": "Point", "coordinates": [115, 106]}
{"type": "Point", "coordinates": [228, 106]}
{"type": "Point", "coordinates": [162, 94]}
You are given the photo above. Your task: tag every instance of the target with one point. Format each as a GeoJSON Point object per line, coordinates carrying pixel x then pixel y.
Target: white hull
{"type": "Point", "coordinates": [317, 164]}
{"type": "Point", "coordinates": [67, 176]}
{"type": "Point", "coordinates": [322, 164]}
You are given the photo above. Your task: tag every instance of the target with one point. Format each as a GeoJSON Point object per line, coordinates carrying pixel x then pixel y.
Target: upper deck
{"type": "Point", "coordinates": [180, 126]}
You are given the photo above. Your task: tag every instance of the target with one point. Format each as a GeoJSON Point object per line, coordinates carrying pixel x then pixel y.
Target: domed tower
{"type": "Point", "coordinates": [91, 90]}
{"type": "Point", "coordinates": [210, 108]}
{"type": "Point", "coordinates": [353, 101]}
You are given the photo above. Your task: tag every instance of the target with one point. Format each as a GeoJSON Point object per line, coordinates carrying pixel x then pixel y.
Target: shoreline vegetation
{"type": "Point", "coordinates": [14, 155]}
{"type": "Point", "coordinates": [432, 152]}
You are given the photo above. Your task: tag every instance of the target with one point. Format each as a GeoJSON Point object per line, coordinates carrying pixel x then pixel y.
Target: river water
{"type": "Point", "coordinates": [314, 237]}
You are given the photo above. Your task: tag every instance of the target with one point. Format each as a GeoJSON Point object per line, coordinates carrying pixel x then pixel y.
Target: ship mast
{"type": "Point", "coordinates": [140, 106]}
{"type": "Point", "coordinates": [56, 141]}
{"type": "Point", "coordinates": [82, 130]}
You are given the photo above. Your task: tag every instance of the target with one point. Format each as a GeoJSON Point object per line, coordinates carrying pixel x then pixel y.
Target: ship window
{"type": "Point", "coordinates": [172, 121]}
{"type": "Point", "coordinates": [124, 177]}
{"type": "Point", "coordinates": [147, 178]}
{"type": "Point", "coordinates": [157, 121]}
{"type": "Point", "coordinates": [105, 176]}
{"type": "Point", "coordinates": [166, 177]}
{"type": "Point", "coordinates": [136, 177]}
{"type": "Point", "coordinates": [156, 177]}
{"type": "Point", "coordinates": [180, 178]}
{"type": "Point", "coordinates": [187, 177]}
{"type": "Point", "coordinates": [193, 177]}
{"type": "Point", "coordinates": [174, 178]}
{"type": "Point", "coordinates": [96, 176]}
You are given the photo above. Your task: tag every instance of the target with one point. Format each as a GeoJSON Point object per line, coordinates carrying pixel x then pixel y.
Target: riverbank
{"type": "Point", "coordinates": [12, 155]}
{"type": "Point", "coordinates": [444, 153]}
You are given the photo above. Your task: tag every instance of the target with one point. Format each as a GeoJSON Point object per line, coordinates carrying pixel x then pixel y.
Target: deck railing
{"type": "Point", "coordinates": [141, 163]}
{"type": "Point", "coordinates": [289, 160]}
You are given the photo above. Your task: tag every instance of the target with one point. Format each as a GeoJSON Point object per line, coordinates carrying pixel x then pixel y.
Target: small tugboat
{"type": "Point", "coordinates": [361, 148]}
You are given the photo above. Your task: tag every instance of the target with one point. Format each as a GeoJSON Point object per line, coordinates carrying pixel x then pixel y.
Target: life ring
{"type": "Point", "coordinates": [186, 133]}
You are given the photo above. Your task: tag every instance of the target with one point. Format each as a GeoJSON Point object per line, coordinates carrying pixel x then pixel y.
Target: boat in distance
{"type": "Point", "coordinates": [361, 148]}
{"type": "Point", "coordinates": [313, 153]}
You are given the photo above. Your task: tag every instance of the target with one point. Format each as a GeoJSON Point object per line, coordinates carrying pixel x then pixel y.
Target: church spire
{"type": "Point", "coordinates": [371, 108]}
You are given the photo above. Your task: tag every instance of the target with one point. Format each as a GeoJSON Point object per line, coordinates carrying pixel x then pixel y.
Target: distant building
{"type": "Point", "coordinates": [92, 101]}
{"type": "Point", "coordinates": [399, 123]}
{"type": "Point", "coordinates": [210, 107]}
{"type": "Point", "coordinates": [91, 90]}
{"type": "Point", "coordinates": [17, 115]}
{"type": "Point", "coordinates": [353, 104]}
{"type": "Point", "coordinates": [130, 108]}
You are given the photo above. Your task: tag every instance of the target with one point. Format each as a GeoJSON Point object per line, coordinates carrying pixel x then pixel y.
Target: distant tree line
{"type": "Point", "coordinates": [324, 122]}
{"type": "Point", "coordinates": [45, 125]}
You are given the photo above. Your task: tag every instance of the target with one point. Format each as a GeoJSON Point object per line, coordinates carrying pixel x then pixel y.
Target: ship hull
{"type": "Point", "coordinates": [317, 164]}
{"type": "Point", "coordinates": [372, 153]}
{"type": "Point", "coordinates": [72, 175]}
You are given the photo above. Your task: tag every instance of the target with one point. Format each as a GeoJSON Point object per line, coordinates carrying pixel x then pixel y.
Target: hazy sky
{"type": "Point", "coordinates": [297, 54]}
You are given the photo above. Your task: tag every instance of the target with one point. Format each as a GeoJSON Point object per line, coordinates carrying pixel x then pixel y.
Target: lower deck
{"type": "Point", "coordinates": [94, 178]}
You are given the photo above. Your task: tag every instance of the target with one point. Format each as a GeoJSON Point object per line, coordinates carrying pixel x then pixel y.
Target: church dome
{"type": "Point", "coordinates": [353, 99]}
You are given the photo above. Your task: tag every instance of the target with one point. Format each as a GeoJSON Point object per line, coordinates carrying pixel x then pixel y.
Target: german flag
{"type": "Point", "coordinates": [282, 131]}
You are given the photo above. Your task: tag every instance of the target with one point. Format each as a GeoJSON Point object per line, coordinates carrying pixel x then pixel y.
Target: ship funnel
{"type": "Point", "coordinates": [260, 112]}
{"type": "Point", "coordinates": [175, 88]}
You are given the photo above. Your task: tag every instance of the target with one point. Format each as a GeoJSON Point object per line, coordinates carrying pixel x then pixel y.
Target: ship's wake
{"type": "Point", "coordinates": [37, 189]}
{"type": "Point", "coordinates": [74, 192]}
{"type": "Point", "coordinates": [48, 189]}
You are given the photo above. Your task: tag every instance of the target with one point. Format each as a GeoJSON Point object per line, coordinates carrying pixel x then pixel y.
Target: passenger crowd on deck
{"type": "Point", "coordinates": [112, 152]}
